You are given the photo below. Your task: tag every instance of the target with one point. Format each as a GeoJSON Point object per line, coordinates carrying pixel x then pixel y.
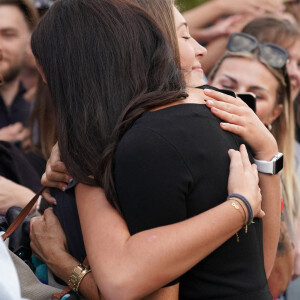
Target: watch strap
{"type": "Point", "coordinates": [77, 275]}
{"type": "Point", "coordinates": [270, 167]}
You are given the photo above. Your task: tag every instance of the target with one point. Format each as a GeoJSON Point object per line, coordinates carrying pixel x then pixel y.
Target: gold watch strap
{"type": "Point", "coordinates": [77, 275]}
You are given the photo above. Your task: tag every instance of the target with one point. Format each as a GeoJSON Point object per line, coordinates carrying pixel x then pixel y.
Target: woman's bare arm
{"type": "Point", "coordinates": [281, 274]}
{"type": "Point", "coordinates": [130, 267]}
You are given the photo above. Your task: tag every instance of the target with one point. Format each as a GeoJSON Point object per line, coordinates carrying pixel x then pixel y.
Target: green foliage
{"type": "Point", "coordinates": [188, 4]}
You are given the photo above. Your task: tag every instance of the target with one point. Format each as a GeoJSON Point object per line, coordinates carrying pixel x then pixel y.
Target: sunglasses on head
{"type": "Point", "coordinates": [274, 55]}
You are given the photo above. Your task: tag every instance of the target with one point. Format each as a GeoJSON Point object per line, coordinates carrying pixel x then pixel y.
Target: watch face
{"type": "Point", "coordinates": [279, 164]}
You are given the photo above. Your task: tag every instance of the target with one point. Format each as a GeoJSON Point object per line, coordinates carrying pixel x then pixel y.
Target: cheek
{"type": "Point", "coordinates": [186, 55]}
{"type": "Point", "coordinates": [263, 111]}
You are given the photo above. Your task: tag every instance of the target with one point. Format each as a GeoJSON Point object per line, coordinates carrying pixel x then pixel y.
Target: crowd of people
{"type": "Point", "coordinates": [169, 145]}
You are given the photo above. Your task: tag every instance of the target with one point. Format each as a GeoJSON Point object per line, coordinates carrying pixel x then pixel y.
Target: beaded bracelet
{"type": "Point", "coordinates": [246, 202]}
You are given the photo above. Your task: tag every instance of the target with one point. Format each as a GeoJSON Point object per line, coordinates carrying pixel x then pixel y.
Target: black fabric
{"type": "Point", "coordinates": [37, 162]}
{"type": "Point", "coordinates": [19, 241]}
{"type": "Point", "coordinates": [19, 111]}
{"type": "Point", "coordinates": [67, 213]}
{"type": "Point", "coordinates": [172, 165]}
{"type": "Point", "coordinates": [14, 166]}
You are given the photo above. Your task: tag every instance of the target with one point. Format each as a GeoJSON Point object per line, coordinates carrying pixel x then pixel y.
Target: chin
{"type": "Point", "coordinates": [195, 81]}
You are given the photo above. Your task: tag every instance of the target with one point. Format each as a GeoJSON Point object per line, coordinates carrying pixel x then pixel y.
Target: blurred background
{"type": "Point", "coordinates": [188, 4]}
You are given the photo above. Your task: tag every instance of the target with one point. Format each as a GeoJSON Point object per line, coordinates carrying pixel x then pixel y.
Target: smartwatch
{"type": "Point", "coordinates": [270, 167]}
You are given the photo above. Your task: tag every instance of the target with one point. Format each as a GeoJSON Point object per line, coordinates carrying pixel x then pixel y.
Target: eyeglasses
{"type": "Point", "coordinates": [274, 55]}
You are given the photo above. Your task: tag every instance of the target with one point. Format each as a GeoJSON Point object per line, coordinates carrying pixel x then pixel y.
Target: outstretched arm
{"type": "Point", "coordinates": [212, 10]}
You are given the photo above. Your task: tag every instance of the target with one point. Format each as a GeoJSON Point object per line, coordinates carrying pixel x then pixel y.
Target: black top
{"type": "Point", "coordinates": [172, 165]}
{"type": "Point", "coordinates": [19, 111]}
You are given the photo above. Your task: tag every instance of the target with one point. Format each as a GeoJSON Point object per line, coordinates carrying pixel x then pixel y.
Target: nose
{"type": "Point", "coordinates": [294, 71]}
{"type": "Point", "coordinates": [199, 49]}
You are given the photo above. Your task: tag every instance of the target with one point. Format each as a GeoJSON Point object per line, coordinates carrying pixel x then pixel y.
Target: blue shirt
{"type": "Point", "coordinates": [19, 111]}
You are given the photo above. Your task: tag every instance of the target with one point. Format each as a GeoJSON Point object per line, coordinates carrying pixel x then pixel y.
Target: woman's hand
{"type": "Point", "coordinates": [241, 120]}
{"type": "Point", "coordinates": [56, 174]}
{"type": "Point", "coordinates": [12, 194]}
{"type": "Point", "coordinates": [243, 179]}
{"type": "Point", "coordinates": [48, 241]}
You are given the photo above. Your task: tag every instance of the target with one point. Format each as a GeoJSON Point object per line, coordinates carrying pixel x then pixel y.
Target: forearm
{"type": "Point", "coordinates": [283, 266]}
{"type": "Point", "coordinates": [204, 14]}
{"type": "Point", "coordinates": [130, 267]}
{"type": "Point", "coordinates": [270, 189]}
{"type": "Point", "coordinates": [63, 264]}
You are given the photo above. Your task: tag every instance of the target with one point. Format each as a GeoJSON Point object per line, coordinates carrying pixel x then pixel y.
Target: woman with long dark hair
{"type": "Point", "coordinates": [143, 71]}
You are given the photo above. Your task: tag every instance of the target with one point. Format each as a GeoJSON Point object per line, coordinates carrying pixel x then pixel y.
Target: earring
{"type": "Point", "coordinates": [270, 127]}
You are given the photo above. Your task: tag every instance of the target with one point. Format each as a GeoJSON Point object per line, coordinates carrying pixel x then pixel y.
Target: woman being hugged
{"type": "Point", "coordinates": [181, 145]}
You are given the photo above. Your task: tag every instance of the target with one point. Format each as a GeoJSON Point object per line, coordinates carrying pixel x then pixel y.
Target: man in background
{"type": "Point", "coordinates": [18, 18]}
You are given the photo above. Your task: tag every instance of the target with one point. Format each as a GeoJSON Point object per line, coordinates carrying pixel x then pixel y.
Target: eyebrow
{"type": "Point", "coordinates": [182, 24]}
{"type": "Point", "coordinates": [252, 87]}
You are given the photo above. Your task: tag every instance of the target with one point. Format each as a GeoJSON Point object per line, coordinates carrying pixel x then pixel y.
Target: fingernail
{"type": "Point", "coordinates": [207, 91]}
{"type": "Point", "coordinates": [63, 188]}
{"type": "Point", "coordinates": [210, 102]}
{"type": "Point", "coordinates": [54, 202]}
{"type": "Point", "coordinates": [70, 180]}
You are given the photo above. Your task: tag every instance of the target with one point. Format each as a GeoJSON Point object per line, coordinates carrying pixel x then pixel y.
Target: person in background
{"type": "Point", "coordinates": [220, 18]}
{"type": "Point", "coordinates": [247, 69]}
{"type": "Point", "coordinates": [18, 18]}
{"type": "Point", "coordinates": [286, 34]}
{"type": "Point", "coordinates": [185, 36]}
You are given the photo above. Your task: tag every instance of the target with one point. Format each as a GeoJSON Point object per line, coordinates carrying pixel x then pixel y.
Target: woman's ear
{"type": "Point", "coordinates": [39, 68]}
{"type": "Point", "coordinates": [276, 113]}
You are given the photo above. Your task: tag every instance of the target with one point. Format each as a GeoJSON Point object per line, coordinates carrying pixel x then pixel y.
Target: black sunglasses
{"type": "Point", "coordinates": [274, 55]}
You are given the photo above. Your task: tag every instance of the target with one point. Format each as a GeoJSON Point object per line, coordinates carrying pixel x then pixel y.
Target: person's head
{"type": "Point", "coordinates": [187, 51]}
{"type": "Point", "coordinates": [248, 66]}
{"type": "Point", "coordinates": [262, 71]}
{"type": "Point", "coordinates": [190, 52]}
{"type": "Point", "coordinates": [99, 57]}
{"type": "Point", "coordinates": [293, 7]}
{"type": "Point", "coordinates": [272, 29]}
{"type": "Point", "coordinates": [17, 20]}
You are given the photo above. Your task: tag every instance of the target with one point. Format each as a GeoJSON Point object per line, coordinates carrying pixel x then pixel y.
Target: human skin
{"type": "Point", "coordinates": [116, 282]}
{"type": "Point", "coordinates": [254, 78]}
{"type": "Point", "coordinates": [14, 43]}
{"type": "Point", "coordinates": [257, 79]}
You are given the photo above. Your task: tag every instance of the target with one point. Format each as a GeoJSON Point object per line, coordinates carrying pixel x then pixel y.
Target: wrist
{"type": "Point", "coordinates": [62, 265]}
{"type": "Point", "coordinates": [78, 274]}
{"type": "Point", "coordinates": [267, 153]}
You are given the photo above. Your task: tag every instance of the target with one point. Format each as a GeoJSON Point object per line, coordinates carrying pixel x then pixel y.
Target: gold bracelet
{"type": "Point", "coordinates": [237, 207]}
{"type": "Point", "coordinates": [233, 204]}
{"type": "Point", "coordinates": [77, 275]}
{"type": "Point", "coordinates": [242, 205]}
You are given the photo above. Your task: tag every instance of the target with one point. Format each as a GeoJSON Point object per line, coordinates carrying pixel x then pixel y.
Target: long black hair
{"type": "Point", "coordinates": [106, 62]}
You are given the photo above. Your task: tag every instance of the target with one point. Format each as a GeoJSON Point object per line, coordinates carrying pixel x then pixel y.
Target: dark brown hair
{"type": "Point", "coordinates": [106, 62]}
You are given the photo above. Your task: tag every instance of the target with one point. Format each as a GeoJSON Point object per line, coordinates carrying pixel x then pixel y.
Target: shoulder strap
{"type": "Point", "coordinates": [19, 219]}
